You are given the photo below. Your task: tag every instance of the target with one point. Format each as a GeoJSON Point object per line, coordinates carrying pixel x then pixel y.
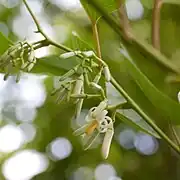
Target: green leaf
{"type": "Point", "coordinates": [147, 3]}
{"type": "Point", "coordinates": [4, 43]}
{"type": "Point", "coordinates": [139, 125]}
{"type": "Point", "coordinates": [54, 65]}
{"type": "Point", "coordinates": [109, 5]}
{"type": "Point", "coordinates": [143, 92]}
{"type": "Point", "coordinates": [176, 2]}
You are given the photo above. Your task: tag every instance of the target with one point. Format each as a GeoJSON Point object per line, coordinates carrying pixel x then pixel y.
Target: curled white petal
{"type": "Point", "coordinates": [107, 73]}
{"type": "Point", "coordinates": [102, 106]}
{"type": "Point", "coordinates": [88, 53]}
{"type": "Point", "coordinates": [89, 117]}
{"type": "Point", "coordinates": [101, 115]}
{"type": "Point", "coordinates": [107, 143]}
{"type": "Point", "coordinates": [69, 54]}
{"type": "Point", "coordinates": [105, 124]}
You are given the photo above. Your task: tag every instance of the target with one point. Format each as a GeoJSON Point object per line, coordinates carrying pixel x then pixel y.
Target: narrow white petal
{"type": "Point", "coordinates": [107, 143]}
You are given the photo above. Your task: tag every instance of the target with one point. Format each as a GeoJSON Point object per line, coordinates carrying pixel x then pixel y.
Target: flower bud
{"type": "Point", "coordinates": [31, 57]}
{"type": "Point", "coordinates": [69, 54]}
{"type": "Point", "coordinates": [88, 53]}
{"type": "Point", "coordinates": [79, 85]}
{"type": "Point", "coordinates": [29, 67]}
{"type": "Point", "coordinates": [96, 86]}
{"type": "Point", "coordinates": [107, 73]}
{"type": "Point", "coordinates": [78, 108]}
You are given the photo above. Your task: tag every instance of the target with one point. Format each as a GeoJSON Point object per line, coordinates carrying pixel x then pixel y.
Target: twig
{"type": "Point", "coordinates": [124, 21]}
{"type": "Point", "coordinates": [124, 105]}
{"type": "Point", "coordinates": [40, 30]}
{"type": "Point", "coordinates": [96, 37]}
{"type": "Point", "coordinates": [156, 24]}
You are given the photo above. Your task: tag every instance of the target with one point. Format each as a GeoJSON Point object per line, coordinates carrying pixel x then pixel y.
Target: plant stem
{"type": "Point", "coordinates": [146, 118]}
{"type": "Point", "coordinates": [174, 134]}
{"type": "Point", "coordinates": [124, 105]}
{"type": "Point", "coordinates": [124, 21]}
{"type": "Point", "coordinates": [35, 20]}
{"type": "Point", "coordinates": [96, 37]}
{"type": "Point", "coordinates": [47, 39]}
{"type": "Point", "coordinates": [156, 24]}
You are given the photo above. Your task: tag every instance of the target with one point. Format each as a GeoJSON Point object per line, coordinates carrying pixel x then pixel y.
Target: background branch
{"type": "Point", "coordinates": [156, 24]}
{"type": "Point", "coordinates": [124, 21]}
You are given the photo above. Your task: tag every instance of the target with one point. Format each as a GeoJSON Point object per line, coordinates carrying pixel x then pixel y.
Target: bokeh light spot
{"type": "Point", "coordinates": [83, 173]}
{"type": "Point", "coordinates": [126, 138]}
{"type": "Point", "coordinates": [29, 131]}
{"type": "Point", "coordinates": [135, 9]}
{"type": "Point", "coordinates": [104, 172]}
{"type": "Point", "coordinates": [24, 165]}
{"type": "Point", "coordinates": [59, 149]}
{"type": "Point", "coordinates": [11, 138]}
{"type": "Point", "coordinates": [10, 3]}
{"type": "Point", "coordinates": [146, 144]}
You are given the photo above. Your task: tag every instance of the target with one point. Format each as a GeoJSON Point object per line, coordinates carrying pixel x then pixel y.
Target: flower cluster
{"type": "Point", "coordinates": [19, 57]}
{"type": "Point", "coordinates": [98, 122]}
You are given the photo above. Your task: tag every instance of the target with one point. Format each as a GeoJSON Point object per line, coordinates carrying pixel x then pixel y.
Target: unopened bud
{"type": "Point", "coordinates": [107, 73]}
{"type": "Point", "coordinates": [79, 85]}
{"type": "Point", "coordinates": [69, 54]}
{"type": "Point", "coordinates": [96, 86]}
{"type": "Point", "coordinates": [88, 53]}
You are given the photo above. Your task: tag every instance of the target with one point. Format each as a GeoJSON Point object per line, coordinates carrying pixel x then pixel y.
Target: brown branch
{"type": "Point", "coordinates": [124, 23]}
{"type": "Point", "coordinates": [156, 23]}
{"type": "Point", "coordinates": [96, 37]}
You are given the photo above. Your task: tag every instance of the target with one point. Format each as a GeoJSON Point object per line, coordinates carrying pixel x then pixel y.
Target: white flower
{"type": "Point", "coordinates": [98, 122]}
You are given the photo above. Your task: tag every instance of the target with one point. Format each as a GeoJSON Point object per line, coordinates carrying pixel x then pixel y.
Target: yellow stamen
{"type": "Point", "coordinates": [91, 127]}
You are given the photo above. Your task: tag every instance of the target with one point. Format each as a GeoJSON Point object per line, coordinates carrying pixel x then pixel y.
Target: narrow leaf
{"type": "Point", "coordinates": [139, 125]}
